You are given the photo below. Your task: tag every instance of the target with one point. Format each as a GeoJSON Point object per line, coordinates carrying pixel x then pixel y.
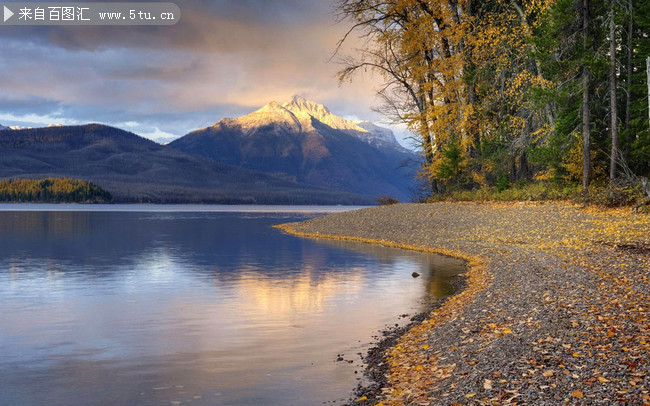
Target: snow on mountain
{"type": "Point", "coordinates": [305, 110]}
{"type": "Point", "coordinates": [296, 116]}
{"type": "Point", "coordinates": [376, 134]}
{"type": "Point", "coordinates": [15, 127]}
{"type": "Point", "coordinates": [366, 131]}
{"type": "Point", "coordinates": [271, 114]}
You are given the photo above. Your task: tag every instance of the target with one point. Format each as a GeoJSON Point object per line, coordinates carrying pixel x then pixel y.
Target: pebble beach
{"type": "Point", "coordinates": [555, 309]}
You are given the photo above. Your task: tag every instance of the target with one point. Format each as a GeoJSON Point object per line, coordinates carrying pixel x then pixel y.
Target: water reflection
{"type": "Point", "coordinates": [216, 308]}
{"type": "Point", "coordinates": [438, 271]}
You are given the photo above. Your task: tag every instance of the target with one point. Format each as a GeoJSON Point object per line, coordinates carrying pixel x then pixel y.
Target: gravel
{"type": "Point", "coordinates": [556, 310]}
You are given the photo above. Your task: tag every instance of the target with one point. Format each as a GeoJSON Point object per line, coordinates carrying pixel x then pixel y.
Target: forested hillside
{"type": "Point", "coordinates": [504, 92]}
{"type": "Point", "coordinates": [134, 169]}
{"type": "Point", "coordinates": [50, 190]}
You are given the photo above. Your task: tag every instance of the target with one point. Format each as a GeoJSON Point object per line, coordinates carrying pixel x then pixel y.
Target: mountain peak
{"type": "Point", "coordinates": [305, 110]}
{"type": "Point", "coordinates": [301, 140]}
{"type": "Point", "coordinates": [376, 134]}
{"type": "Point", "coordinates": [272, 114]}
{"type": "Point", "coordinates": [271, 107]}
{"type": "Point", "coordinates": [366, 131]}
{"type": "Point", "coordinates": [299, 104]}
{"type": "Point", "coordinates": [297, 114]}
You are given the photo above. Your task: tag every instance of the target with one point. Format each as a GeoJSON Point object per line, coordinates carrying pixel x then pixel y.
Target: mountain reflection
{"type": "Point", "coordinates": [279, 273]}
{"type": "Point", "coordinates": [307, 292]}
{"type": "Point", "coordinates": [54, 224]}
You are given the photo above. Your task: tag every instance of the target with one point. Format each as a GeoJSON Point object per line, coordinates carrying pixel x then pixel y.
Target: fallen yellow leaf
{"type": "Point", "coordinates": [507, 331]}
{"type": "Point", "coordinates": [577, 394]}
{"type": "Point", "coordinates": [487, 384]}
{"type": "Point", "coordinates": [547, 374]}
{"type": "Point", "coordinates": [602, 379]}
{"type": "Point", "coordinates": [470, 395]}
{"type": "Point", "coordinates": [362, 398]}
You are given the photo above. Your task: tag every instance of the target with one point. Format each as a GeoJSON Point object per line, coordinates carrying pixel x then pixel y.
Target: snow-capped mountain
{"type": "Point", "coordinates": [304, 141]}
{"type": "Point", "coordinates": [17, 127]}
{"type": "Point", "coordinates": [296, 116]}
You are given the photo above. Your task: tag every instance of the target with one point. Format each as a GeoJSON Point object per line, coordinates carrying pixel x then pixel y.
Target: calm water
{"type": "Point", "coordinates": [156, 307]}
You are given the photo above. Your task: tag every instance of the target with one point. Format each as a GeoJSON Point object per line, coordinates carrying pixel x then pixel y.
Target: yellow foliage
{"type": "Point", "coordinates": [573, 163]}
{"type": "Point", "coordinates": [466, 77]}
{"type": "Point", "coordinates": [479, 178]}
{"type": "Point", "coordinates": [545, 175]}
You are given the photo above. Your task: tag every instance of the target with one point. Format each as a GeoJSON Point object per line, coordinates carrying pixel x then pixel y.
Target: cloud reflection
{"type": "Point", "coordinates": [144, 308]}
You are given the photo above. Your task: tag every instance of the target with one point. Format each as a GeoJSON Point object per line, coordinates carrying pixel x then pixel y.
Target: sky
{"type": "Point", "coordinates": [225, 58]}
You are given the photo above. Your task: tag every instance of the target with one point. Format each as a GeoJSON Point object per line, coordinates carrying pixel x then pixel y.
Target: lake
{"type": "Point", "coordinates": [206, 305]}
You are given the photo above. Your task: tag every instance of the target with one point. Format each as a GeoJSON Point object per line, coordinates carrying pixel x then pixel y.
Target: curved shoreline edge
{"type": "Point", "coordinates": [555, 310]}
{"type": "Point", "coordinates": [476, 278]}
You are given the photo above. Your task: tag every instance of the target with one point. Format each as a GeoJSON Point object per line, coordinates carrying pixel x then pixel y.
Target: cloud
{"type": "Point", "coordinates": [223, 26]}
{"type": "Point", "coordinates": [224, 58]}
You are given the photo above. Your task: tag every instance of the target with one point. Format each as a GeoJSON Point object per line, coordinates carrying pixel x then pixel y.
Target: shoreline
{"type": "Point", "coordinates": [536, 321]}
{"type": "Point", "coordinates": [376, 359]}
{"type": "Point", "coordinates": [472, 280]}
{"type": "Point", "coordinates": [151, 207]}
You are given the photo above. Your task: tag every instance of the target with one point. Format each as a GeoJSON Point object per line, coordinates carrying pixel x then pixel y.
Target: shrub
{"type": "Point", "coordinates": [386, 201]}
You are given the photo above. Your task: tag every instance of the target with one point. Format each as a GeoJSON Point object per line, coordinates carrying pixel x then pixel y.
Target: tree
{"type": "Point", "coordinates": [635, 141]}
{"type": "Point", "coordinates": [628, 67]}
{"type": "Point", "coordinates": [586, 118]}
{"type": "Point", "coordinates": [456, 69]}
{"type": "Point", "coordinates": [613, 109]}
{"type": "Point", "coordinates": [508, 88]}
{"type": "Point", "coordinates": [417, 46]}
{"type": "Point", "coordinates": [52, 190]}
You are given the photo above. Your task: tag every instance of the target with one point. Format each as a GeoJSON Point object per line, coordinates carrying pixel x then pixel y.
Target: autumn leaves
{"type": "Point", "coordinates": [555, 310]}
{"type": "Point", "coordinates": [503, 91]}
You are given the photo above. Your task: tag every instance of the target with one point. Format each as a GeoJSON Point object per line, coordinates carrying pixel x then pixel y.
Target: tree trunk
{"type": "Point", "coordinates": [648, 71]}
{"type": "Point", "coordinates": [524, 171]}
{"type": "Point", "coordinates": [586, 135]}
{"type": "Point", "coordinates": [628, 94]}
{"type": "Point", "coordinates": [550, 114]}
{"type": "Point", "coordinates": [613, 108]}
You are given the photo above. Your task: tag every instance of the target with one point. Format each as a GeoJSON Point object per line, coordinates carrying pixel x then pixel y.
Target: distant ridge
{"type": "Point", "coordinates": [134, 169]}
